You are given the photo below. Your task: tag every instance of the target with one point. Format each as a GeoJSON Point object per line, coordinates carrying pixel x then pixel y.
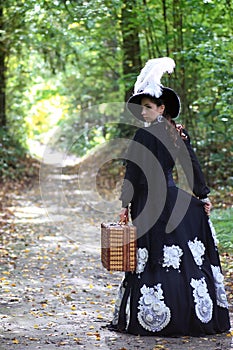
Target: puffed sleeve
{"type": "Point", "coordinates": [195, 175]}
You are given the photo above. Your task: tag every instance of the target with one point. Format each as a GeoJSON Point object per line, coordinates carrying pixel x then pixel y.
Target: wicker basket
{"type": "Point", "coordinates": [118, 247]}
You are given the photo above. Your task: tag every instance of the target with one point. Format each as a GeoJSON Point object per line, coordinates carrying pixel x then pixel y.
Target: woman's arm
{"type": "Point", "coordinates": [197, 180]}
{"type": "Point", "coordinates": [194, 175]}
{"type": "Point", "coordinates": [131, 178]}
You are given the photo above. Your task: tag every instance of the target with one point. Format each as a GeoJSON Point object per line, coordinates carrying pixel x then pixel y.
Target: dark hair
{"type": "Point", "coordinates": [159, 102]}
{"type": "Point", "coordinates": [171, 125]}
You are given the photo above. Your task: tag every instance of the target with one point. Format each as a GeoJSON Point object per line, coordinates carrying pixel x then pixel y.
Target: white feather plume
{"type": "Point", "coordinates": [150, 76]}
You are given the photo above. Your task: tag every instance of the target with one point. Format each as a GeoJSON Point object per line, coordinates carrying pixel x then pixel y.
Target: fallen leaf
{"type": "Point", "coordinates": [68, 298]}
{"type": "Point", "coordinates": [77, 340]}
{"type": "Point", "coordinates": [62, 343]}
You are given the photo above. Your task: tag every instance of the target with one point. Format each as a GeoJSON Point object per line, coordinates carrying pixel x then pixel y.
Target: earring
{"type": "Point", "coordinates": [160, 118]}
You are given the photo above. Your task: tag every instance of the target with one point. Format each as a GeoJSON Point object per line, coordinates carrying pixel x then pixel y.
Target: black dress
{"type": "Point", "coordinates": [177, 288]}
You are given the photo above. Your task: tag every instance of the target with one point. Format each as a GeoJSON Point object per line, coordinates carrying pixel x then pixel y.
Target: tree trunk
{"type": "Point", "coordinates": [2, 73]}
{"type": "Point", "coordinates": [179, 47]}
{"type": "Point", "coordinates": [166, 27]}
{"type": "Point", "coordinates": [130, 44]}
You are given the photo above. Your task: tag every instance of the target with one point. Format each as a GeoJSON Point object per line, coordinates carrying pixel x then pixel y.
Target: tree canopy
{"type": "Point", "coordinates": [59, 57]}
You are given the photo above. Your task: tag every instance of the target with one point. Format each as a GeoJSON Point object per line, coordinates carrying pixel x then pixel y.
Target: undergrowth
{"type": "Point", "coordinates": [223, 223]}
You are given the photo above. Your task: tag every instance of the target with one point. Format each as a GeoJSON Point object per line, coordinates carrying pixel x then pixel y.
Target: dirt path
{"type": "Point", "coordinates": [54, 291]}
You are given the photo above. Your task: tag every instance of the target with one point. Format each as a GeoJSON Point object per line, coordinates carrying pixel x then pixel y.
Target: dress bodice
{"type": "Point", "coordinates": [153, 150]}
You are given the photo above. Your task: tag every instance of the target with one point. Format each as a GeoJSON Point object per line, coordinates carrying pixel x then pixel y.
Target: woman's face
{"type": "Point", "coordinates": [150, 111]}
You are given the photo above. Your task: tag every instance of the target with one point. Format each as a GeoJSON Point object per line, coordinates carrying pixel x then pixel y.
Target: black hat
{"type": "Point", "coordinates": [148, 84]}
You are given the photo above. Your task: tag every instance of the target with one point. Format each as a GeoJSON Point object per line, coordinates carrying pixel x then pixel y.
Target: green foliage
{"type": "Point", "coordinates": [222, 220]}
{"type": "Point", "coordinates": [47, 108]}
{"type": "Point", "coordinates": [70, 55]}
{"type": "Point", "coordinates": [11, 152]}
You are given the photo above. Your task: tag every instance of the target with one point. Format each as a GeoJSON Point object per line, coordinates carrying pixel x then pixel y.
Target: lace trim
{"type": "Point", "coordinates": [204, 304]}
{"type": "Point", "coordinates": [214, 235]}
{"type": "Point", "coordinates": [198, 250]}
{"type": "Point", "coordinates": [172, 256]}
{"type": "Point", "coordinates": [153, 313]}
{"type": "Point", "coordinates": [219, 287]}
{"type": "Point", "coordinates": [120, 294]}
{"type": "Point", "coordinates": [142, 257]}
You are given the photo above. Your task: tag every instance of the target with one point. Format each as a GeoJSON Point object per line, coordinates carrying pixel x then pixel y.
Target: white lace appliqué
{"type": "Point", "coordinates": [198, 250]}
{"type": "Point", "coordinates": [120, 294]}
{"type": "Point", "coordinates": [219, 287]}
{"type": "Point", "coordinates": [172, 256]}
{"type": "Point", "coordinates": [153, 313]}
{"type": "Point", "coordinates": [204, 304]}
{"type": "Point", "coordinates": [214, 235]}
{"type": "Point", "coordinates": [142, 257]}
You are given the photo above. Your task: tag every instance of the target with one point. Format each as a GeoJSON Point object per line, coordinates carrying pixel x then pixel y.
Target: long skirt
{"type": "Point", "coordinates": [177, 288]}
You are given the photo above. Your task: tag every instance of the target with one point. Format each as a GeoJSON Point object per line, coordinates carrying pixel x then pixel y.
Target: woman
{"type": "Point", "coordinates": [177, 288]}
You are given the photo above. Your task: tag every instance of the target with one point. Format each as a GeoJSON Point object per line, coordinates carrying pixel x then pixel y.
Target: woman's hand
{"type": "Point", "coordinates": [179, 128]}
{"type": "Point", "coordinates": [207, 206]}
{"type": "Point", "coordinates": [124, 216]}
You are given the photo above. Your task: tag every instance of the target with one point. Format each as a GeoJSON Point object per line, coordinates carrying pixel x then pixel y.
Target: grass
{"type": "Point", "coordinates": [223, 223]}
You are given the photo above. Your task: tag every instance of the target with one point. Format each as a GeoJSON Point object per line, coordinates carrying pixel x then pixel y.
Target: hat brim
{"type": "Point", "coordinates": [170, 98]}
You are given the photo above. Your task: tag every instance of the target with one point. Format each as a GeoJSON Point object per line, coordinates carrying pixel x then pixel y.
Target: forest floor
{"type": "Point", "coordinates": [55, 294]}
